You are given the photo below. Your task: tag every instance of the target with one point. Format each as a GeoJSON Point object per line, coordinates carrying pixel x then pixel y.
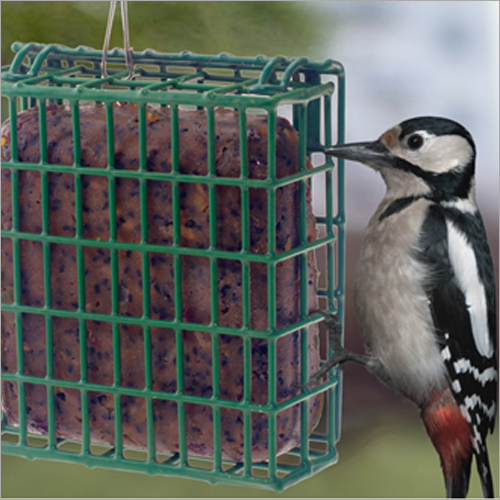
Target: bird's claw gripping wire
{"type": "Point", "coordinates": [340, 355]}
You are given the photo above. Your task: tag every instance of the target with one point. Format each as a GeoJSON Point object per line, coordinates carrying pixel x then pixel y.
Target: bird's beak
{"type": "Point", "coordinates": [374, 154]}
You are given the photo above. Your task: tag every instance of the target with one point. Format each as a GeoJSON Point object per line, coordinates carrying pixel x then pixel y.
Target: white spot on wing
{"type": "Point", "coordinates": [455, 385]}
{"type": "Point", "coordinates": [445, 352]}
{"type": "Point", "coordinates": [465, 413]}
{"type": "Point", "coordinates": [474, 400]}
{"type": "Point", "coordinates": [464, 365]}
{"type": "Point", "coordinates": [464, 265]}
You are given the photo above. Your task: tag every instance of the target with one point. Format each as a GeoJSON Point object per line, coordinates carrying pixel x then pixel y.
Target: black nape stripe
{"type": "Point", "coordinates": [398, 205]}
{"type": "Point", "coordinates": [444, 186]}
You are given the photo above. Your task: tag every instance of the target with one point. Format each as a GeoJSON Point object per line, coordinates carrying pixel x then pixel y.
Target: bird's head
{"type": "Point", "coordinates": [418, 155]}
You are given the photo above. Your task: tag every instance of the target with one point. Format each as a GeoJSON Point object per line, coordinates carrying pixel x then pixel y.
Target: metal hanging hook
{"type": "Point", "coordinates": [128, 50]}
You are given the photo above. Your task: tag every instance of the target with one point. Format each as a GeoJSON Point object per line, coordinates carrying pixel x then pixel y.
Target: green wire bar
{"type": "Point", "coordinates": [312, 96]}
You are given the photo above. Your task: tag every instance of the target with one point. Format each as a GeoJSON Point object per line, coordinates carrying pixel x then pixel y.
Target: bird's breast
{"type": "Point", "coordinates": [391, 304]}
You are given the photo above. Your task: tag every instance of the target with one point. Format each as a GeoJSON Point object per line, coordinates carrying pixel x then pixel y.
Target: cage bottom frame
{"type": "Point", "coordinates": [277, 474]}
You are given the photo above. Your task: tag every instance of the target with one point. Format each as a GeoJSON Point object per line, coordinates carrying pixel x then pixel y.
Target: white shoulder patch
{"type": "Point", "coordinates": [463, 205]}
{"type": "Point", "coordinates": [464, 265]}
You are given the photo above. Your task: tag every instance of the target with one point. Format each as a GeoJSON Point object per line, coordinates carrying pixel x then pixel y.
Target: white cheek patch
{"type": "Point", "coordinates": [464, 265]}
{"type": "Point", "coordinates": [439, 154]}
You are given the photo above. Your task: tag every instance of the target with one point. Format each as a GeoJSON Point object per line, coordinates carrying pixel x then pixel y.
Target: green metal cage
{"type": "Point", "coordinates": [311, 95]}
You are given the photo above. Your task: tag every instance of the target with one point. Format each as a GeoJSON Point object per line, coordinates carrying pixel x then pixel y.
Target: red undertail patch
{"type": "Point", "coordinates": [450, 433]}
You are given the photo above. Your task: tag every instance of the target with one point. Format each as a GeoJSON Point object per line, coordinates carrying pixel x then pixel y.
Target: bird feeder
{"type": "Point", "coordinates": [161, 381]}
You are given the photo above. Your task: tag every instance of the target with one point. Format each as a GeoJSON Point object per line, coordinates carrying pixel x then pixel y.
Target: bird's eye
{"type": "Point", "coordinates": [415, 141]}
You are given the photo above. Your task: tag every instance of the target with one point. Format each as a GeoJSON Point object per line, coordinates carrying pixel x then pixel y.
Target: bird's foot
{"type": "Point", "coordinates": [340, 355]}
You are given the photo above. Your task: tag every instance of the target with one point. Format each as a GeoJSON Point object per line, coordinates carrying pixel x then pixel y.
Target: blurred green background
{"type": "Point", "coordinates": [384, 451]}
{"type": "Point", "coordinates": [241, 28]}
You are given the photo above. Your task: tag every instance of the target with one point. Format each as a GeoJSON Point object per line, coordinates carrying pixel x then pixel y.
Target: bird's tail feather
{"type": "Point", "coordinates": [457, 482]}
{"type": "Point", "coordinates": [483, 467]}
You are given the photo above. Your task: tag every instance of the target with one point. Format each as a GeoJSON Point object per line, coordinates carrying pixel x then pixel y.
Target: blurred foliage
{"type": "Point", "coordinates": [240, 28]}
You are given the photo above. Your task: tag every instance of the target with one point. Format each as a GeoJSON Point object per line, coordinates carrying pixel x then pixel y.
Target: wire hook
{"type": "Point", "coordinates": [128, 50]}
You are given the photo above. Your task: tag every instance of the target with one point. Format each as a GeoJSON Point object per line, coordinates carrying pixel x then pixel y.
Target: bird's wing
{"type": "Point", "coordinates": [461, 292]}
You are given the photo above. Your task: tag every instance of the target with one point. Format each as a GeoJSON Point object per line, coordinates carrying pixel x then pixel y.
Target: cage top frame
{"type": "Point", "coordinates": [208, 79]}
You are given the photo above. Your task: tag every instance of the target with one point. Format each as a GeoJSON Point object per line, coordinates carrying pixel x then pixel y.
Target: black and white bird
{"type": "Point", "coordinates": [425, 291]}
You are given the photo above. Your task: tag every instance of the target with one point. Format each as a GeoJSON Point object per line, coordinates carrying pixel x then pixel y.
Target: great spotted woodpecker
{"type": "Point", "coordinates": [425, 291]}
